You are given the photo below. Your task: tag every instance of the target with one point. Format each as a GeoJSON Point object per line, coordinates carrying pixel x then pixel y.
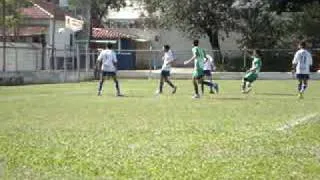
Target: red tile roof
{"type": "Point", "coordinates": [34, 13]}
{"type": "Point", "coordinates": [28, 31]}
{"type": "Point", "coordinates": [43, 9]}
{"type": "Point", "coordinates": [51, 7]}
{"type": "Point", "coordinates": [105, 33]}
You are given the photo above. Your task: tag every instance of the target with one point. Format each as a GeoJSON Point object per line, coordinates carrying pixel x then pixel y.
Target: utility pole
{"type": "Point", "coordinates": [4, 35]}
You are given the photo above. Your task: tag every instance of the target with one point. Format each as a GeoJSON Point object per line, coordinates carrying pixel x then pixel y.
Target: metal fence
{"type": "Point", "coordinates": [78, 59]}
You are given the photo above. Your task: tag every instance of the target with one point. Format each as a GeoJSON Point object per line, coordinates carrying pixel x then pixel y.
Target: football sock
{"type": "Point", "coordinates": [160, 87]}
{"type": "Point", "coordinates": [100, 86]}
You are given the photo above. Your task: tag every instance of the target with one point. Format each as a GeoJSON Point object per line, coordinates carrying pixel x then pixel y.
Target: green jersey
{"type": "Point", "coordinates": [200, 57]}
{"type": "Point", "coordinates": [257, 64]}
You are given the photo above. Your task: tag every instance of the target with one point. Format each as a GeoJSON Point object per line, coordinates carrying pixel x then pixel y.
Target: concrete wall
{"type": "Point", "coordinates": [22, 56]}
{"type": "Point", "coordinates": [62, 77]}
{"type": "Point", "coordinates": [19, 78]}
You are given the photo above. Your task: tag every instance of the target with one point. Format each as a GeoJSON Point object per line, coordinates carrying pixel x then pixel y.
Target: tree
{"type": "Point", "coordinates": [259, 25]}
{"type": "Point", "coordinates": [307, 23]}
{"type": "Point", "coordinates": [99, 8]}
{"type": "Point", "coordinates": [194, 17]}
{"type": "Point", "coordinates": [12, 16]}
{"type": "Point", "coordinates": [290, 5]}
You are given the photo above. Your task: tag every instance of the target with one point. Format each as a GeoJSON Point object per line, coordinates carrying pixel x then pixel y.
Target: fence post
{"type": "Point", "coordinates": [244, 60]}
{"type": "Point", "coordinates": [87, 58]}
{"type": "Point", "coordinates": [78, 62]}
{"type": "Point", "coordinates": [92, 59]}
{"type": "Point", "coordinates": [37, 59]}
{"type": "Point", "coordinates": [73, 54]}
{"type": "Point", "coordinates": [55, 60]}
{"type": "Point", "coordinates": [150, 63]}
{"type": "Point", "coordinates": [65, 64]}
{"type": "Point", "coordinates": [16, 60]}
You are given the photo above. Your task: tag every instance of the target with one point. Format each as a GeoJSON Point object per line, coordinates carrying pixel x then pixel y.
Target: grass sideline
{"type": "Point", "coordinates": [65, 131]}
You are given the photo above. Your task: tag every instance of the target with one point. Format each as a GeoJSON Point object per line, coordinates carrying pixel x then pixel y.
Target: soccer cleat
{"type": "Point", "coordinates": [99, 93]}
{"type": "Point", "coordinates": [248, 90]}
{"type": "Point", "coordinates": [216, 88]}
{"type": "Point", "coordinates": [196, 96]}
{"type": "Point", "coordinates": [212, 92]}
{"type": "Point", "coordinates": [158, 92]}
{"type": "Point", "coordinates": [119, 95]}
{"type": "Point", "coordinates": [300, 95]}
{"type": "Point", "coordinates": [174, 90]}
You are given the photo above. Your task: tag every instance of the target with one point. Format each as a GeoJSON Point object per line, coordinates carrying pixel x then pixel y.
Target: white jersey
{"type": "Point", "coordinates": [108, 58]}
{"type": "Point", "coordinates": [303, 60]}
{"type": "Point", "coordinates": [209, 64]}
{"type": "Point", "coordinates": [167, 59]}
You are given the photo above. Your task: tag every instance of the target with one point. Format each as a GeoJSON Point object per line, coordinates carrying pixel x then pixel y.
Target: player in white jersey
{"type": "Point", "coordinates": [108, 61]}
{"type": "Point", "coordinates": [301, 64]}
{"type": "Point", "coordinates": [208, 68]}
{"type": "Point", "coordinates": [168, 59]}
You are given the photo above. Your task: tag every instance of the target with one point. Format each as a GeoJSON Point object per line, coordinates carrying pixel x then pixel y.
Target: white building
{"type": "Point", "coordinates": [132, 17]}
{"type": "Point", "coordinates": [39, 30]}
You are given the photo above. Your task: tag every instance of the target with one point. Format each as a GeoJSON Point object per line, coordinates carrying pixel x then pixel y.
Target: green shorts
{"type": "Point", "coordinates": [198, 73]}
{"type": "Point", "coordinates": [250, 77]}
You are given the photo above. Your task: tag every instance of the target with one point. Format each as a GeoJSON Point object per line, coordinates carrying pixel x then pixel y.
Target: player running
{"type": "Point", "coordinates": [252, 74]}
{"type": "Point", "coordinates": [108, 61]}
{"type": "Point", "coordinates": [168, 59]}
{"type": "Point", "coordinates": [301, 64]}
{"type": "Point", "coordinates": [209, 67]}
{"type": "Point", "coordinates": [198, 73]}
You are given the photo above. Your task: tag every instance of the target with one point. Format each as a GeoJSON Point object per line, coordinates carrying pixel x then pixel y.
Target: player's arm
{"type": "Point", "coordinates": [294, 63]}
{"type": "Point", "coordinates": [99, 59]}
{"type": "Point", "coordinates": [170, 60]}
{"type": "Point", "coordinates": [310, 60]}
{"type": "Point", "coordinates": [190, 60]}
{"type": "Point", "coordinates": [254, 68]}
{"type": "Point", "coordinates": [115, 60]}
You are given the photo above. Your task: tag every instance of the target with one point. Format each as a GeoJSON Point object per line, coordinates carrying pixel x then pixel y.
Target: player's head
{"type": "Point", "coordinates": [109, 45]}
{"type": "Point", "coordinates": [196, 42]}
{"type": "Point", "coordinates": [302, 45]}
{"type": "Point", "coordinates": [257, 53]}
{"type": "Point", "coordinates": [166, 48]}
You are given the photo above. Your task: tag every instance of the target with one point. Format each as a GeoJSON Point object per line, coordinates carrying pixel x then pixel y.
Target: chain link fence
{"type": "Point", "coordinates": [36, 58]}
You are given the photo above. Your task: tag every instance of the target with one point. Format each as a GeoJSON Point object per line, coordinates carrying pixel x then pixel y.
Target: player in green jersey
{"type": "Point", "coordinates": [252, 74]}
{"type": "Point", "coordinates": [198, 57]}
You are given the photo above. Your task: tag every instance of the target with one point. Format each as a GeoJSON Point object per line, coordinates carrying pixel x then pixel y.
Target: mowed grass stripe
{"type": "Point", "coordinates": [225, 136]}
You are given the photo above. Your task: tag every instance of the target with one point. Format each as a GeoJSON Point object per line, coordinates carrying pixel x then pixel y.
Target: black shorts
{"type": "Point", "coordinates": [165, 73]}
{"type": "Point", "coordinates": [207, 72]}
{"type": "Point", "coordinates": [109, 74]}
{"type": "Point", "coordinates": [303, 76]}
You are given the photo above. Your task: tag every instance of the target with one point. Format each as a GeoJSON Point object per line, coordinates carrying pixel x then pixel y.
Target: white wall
{"type": "Point", "coordinates": [179, 42]}
{"type": "Point", "coordinates": [21, 57]}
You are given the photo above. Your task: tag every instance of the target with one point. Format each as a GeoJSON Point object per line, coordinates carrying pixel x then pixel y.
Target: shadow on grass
{"type": "Point", "coordinates": [276, 94]}
{"type": "Point", "coordinates": [230, 98]}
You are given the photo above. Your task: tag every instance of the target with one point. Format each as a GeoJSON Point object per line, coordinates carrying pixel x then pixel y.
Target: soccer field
{"type": "Point", "coordinates": [65, 131]}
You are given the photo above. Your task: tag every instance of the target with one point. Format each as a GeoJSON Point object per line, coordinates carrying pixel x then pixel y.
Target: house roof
{"type": "Point", "coordinates": [43, 9]}
{"type": "Point", "coordinates": [28, 31]}
{"type": "Point", "coordinates": [107, 33]}
{"type": "Point", "coordinates": [34, 12]}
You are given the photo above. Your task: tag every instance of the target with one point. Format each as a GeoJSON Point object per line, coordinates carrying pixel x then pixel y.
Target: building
{"type": "Point", "coordinates": [43, 26]}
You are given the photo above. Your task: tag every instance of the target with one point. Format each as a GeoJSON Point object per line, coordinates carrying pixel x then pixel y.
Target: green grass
{"type": "Point", "coordinates": [67, 132]}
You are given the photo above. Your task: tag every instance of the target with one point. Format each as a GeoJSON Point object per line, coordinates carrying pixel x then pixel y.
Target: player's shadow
{"type": "Point", "coordinates": [230, 98]}
{"type": "Point", "coordinates": [276, 94]}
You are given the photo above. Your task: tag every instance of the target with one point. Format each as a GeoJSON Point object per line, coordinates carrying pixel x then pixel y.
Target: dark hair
{"type": "Point", "coordinates": [302, 44]}
{"type": "Point", "coordinates": [196, 42]}
{"type": "Point", "coordinates": [166, 47]}
{"type": "Point", "coordinates": [109, 45]}
{"type": "Point", "coordinates": [258, 52]}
